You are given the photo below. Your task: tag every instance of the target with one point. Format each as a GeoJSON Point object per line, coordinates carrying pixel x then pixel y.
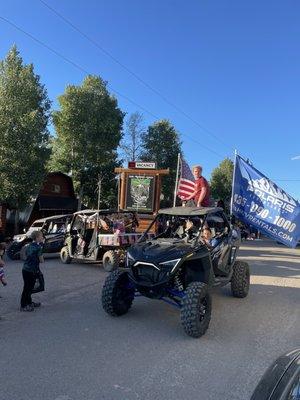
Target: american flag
{"type": "Point", "coordinates": [186, 184]}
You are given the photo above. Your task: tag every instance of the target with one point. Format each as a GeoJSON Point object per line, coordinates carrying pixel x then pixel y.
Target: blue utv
{"type": "Point", "coordinates": [194, 250]}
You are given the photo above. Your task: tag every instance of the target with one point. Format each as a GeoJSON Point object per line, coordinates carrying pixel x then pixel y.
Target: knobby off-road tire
{"type": "Point", "coordinates": [240, 280]}
{"type": "Point", "coordinates": [110, 261]}
{"type": "Point", "coordinates": [196, 309]}
{"type": "Point", "coordinates": [65, 255]}
{"type": "Point", "coordinates": [117, 295]}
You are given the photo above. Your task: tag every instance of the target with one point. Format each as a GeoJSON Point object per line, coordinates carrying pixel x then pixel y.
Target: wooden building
{"type": "Point", "coordinates": [55, 197]}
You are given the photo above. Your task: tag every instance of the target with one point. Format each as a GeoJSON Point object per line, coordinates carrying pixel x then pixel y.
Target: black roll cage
{"type": "Point", "coordinates": [194, 242]}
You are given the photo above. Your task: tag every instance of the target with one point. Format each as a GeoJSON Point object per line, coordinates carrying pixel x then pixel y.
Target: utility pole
{"type": "Point", "coordinates": [99, 190]}
{"type": "Point", "coordinates": [82, 172]}
{"type": "Point", "coordinates": [99, 197]}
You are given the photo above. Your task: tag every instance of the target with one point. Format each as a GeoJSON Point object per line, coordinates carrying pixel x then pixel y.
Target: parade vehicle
{"type": "Point", "coordinates": [281, 381]}
{"type": "Point", "coordinates": [180, 265]}
{"type": "Point", "coordinates": [96, 235]}
{"type": "Point", "coordinates": [53, 229]}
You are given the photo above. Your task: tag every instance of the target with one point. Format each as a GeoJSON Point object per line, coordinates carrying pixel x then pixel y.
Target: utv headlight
{"type": "Point", "coordinates": [129, 260]}
{"type": "Point", "coordinates": [171, 263]}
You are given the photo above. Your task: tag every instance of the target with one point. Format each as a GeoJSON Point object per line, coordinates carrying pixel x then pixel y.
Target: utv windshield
{"type": "Point", "coordinates": [208, 228]}
{"type": "Point", "coordinates": [178, 227]}
{"type": "Point", "coordinates": [36, 226]}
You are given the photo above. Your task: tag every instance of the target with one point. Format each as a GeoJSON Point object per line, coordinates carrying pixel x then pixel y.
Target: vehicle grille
{"type": "Point", "coordinates": [148, 274]}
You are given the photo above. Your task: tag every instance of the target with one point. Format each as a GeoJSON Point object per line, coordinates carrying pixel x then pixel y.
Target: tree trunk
{"type": "Point", "coordinates": [80, 198]}
{"type": "Point", "coordinates": [16, 224]}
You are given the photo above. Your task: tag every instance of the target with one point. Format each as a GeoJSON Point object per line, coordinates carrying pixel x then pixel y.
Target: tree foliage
{"type": "Point", "coordinates": [161, 143]}
{"type": "Point", "coordinates": [221, 180]}
{"type": "Point", "coordinates": [24, 115]}
{"type": "Point", "coordinates": [131, 145]}
{"type": "Point", "coordinates": [88, 132]}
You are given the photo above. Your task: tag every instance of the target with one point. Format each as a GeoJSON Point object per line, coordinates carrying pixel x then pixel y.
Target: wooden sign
{"type": "Point", "coordinates": [140, 189]}
{"type": "Point", "coordinates": [140, 193]}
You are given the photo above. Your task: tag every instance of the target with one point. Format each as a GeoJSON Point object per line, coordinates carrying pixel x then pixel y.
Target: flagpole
{"type": "Point", "coordinates": [176, 182]}
{"type": "Point", "coordinates": [233, 177]}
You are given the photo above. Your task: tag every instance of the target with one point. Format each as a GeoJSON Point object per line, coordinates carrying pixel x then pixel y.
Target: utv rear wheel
{"type": "Point", "coordinates": [117, 294]}
{"type": "Point", "coordinates": [110, 261]}
{"type": "Point", "coordinates": [65, 255]}
{"type": "Point", "coordinates": [196, 309]}
{"type": "Point", "coordinates": [240, 280]}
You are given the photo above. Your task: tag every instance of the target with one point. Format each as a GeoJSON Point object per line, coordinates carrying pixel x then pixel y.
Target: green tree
{"type": "Point", "coordinates": [221, 180]}
{"type": "Point", "coordinates": [161, 143]}
{"type": "Point", "coordinates": [88, 132]}
{"type": "Point", "coordinates": [131, 145]}
{"type": "Point", "coordinates": [24, 115]}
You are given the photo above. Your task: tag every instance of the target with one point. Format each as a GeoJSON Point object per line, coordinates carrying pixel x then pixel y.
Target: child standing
{"type": "Point", "coordinates": [30, 270]}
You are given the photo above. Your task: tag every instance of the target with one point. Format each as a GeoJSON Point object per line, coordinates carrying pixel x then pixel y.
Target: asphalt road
{"type": "Point", "coordinates": [69, 349]}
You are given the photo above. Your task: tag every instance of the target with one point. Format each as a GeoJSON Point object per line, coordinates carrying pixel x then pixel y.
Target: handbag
{"type": "Point", "coordinates": [39, 285]}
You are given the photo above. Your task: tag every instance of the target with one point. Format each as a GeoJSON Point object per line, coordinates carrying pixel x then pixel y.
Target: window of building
{"type": "Point", "coordinates": [56, 188]}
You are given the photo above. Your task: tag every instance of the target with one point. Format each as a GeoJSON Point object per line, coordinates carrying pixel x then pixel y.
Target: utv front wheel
{"type": "Point", "coordinates": [110, 261]}
{"type": "Point", "coordinates": [65, 255]}
{"type": "Point", "coordinates": [196, 309]}
{"type": "Point", "coordinates": [117, 294]}
{"type": "Point", "coordinates": [240, 280]}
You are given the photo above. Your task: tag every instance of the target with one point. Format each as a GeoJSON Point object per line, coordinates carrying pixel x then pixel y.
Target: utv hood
{"type": "Point", "coordinates": [159, 250]}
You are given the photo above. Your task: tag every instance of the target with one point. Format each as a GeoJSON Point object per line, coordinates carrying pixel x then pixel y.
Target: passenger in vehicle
{"type": "Point", "coordinates": [187, 230]}
{"type": "Point", "coordinates": [104, 225]}
{"type": "Point", "coordinates": [207, 238]}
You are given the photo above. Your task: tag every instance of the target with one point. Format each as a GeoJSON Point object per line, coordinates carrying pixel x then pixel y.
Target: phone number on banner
{"type": "Point", "coordinates": [264, 213]}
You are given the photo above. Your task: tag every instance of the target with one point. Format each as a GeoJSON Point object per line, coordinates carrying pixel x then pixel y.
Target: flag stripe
{"type": "Point", "coordinates": [183, 182]}
{"type": "Point", "coordinates": [185, 192]}
{"type": "Point", "coordinates": [188, 187]}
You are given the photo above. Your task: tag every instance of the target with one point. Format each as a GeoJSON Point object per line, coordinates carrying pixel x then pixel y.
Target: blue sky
{"type": "Point", "coordinates": [232, 66]}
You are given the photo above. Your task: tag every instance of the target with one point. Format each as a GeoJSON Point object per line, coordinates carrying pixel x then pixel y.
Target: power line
{"type": "Point", "coordinates": [79, 67]}
{"type": "Point", "coordinates": [286, 180]}
{"type": "Point", "coordinates": [132, 73]}
{"type": "Point", "coordinates": [74, 64]}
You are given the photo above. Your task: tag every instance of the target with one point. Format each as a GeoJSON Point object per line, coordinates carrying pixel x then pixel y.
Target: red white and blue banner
{"type": "Point", "coordinates": [258, 201]}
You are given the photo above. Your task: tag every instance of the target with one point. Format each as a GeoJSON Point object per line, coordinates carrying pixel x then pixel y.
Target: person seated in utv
{"type": "Point", "coordinates": [206, 236]}
{"type": "Point", "coordinates": [187, 230]}
{"type": "Point", "coordinates": [104, 225]}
